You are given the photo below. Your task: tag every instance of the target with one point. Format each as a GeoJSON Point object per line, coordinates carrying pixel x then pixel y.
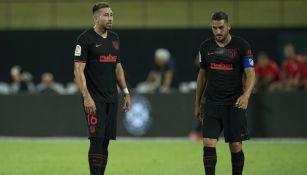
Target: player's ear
{"type": "Point", "coordinates": [229, 26]}
{"type": "Point", "coordinates": [95, 18]}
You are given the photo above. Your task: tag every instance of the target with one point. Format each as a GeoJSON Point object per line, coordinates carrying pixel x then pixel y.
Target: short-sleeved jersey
{"type": "Point", "coordinates": [224, 67]}
{"type": "Point", "coordinates": [101, 56]}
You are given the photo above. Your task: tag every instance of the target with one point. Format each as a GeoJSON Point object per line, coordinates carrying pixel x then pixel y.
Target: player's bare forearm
{"type": "Point", "coordinates": [80, 78]}
{"type": "Point", "coordinates": [120, 75]}
{"type": "Point", "coordinates": [89, 104]}
{"type": "Point", "coordinates": [250, 81]}
{"type": "Point", "coordinates": [201, 83]}
{"type": "Point", "coordinates": [122, 83]}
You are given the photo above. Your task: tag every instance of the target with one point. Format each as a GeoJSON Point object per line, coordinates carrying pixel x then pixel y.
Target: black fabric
{"type": "Point", "coordinates": [103, 124]}
{"type": "Point", "coordinates": [101, 56]}
{"type": "Point", "coordinates": [224, 69]}
{"type": "Point", "coordinates": [237, 160]}
{"type": "Point", "coordinates": [209, 160]}
{"type": "Point", "coordinates": [98, 155]}
{"type": "Point", "coordinates": [224, 117]}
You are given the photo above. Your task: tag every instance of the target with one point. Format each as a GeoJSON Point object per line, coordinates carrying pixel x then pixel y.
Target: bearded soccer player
{"type": "Point", "coordinates": [221, 96]}
{"type": "Point", "coordinates": [97, 70]}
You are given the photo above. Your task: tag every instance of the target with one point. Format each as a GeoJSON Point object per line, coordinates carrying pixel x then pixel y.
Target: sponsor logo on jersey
{"type": "Point", "coordinates": [137, 120]}
{"type": "Point", "coordinates": [221, 66]}
{"type": "Point", "coordinates": [78, 50]}
{"type": "Point", "coordinates": [98, 45]}
{"type": "Point", "coordinates": [232, 53]}
{"type": "Point", "coordinates": [108, 58]}
{"type": "Point", "coordinates": [115, 44]}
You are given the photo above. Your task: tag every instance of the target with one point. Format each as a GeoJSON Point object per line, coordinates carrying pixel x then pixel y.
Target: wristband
{"type": "Point", "coordinates": [126, 91]}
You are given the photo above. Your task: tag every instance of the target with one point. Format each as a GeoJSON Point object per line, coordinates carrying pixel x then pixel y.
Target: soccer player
{"type": "Point", "coordinates": [221, 96]}
{"type": "Point", "coordinates": [97, 70]}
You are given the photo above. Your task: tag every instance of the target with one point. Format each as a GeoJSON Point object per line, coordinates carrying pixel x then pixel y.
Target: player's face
{"type": "Point", "coordinates": [104, 18]}
{"type": "Point", "coordinates": [220, 29]}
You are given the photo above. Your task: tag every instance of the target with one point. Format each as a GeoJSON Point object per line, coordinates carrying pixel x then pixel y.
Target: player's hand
{"type": "Point", "coordinates": [127, 103]}
{"type": "Point", "coordinates": [89, 105]}
{"type": "Point", "coordinates": [242, 102]}
{"type": "Point", "coordinates": [198, 112]}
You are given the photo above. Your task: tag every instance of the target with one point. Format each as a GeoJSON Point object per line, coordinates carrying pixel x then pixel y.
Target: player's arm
{"type": "Point", "coordinates": [249, 70]}
{"type": "Point", "coordinates": [242, 101]}
{"type": "Point", "coordinates": [250, 81]}
{"type": "Point", "coordinates": [122, 84]}
{"type": "Point", "coordinates": [89, 104]}
{"type": "Point", "coordinates": [201, 84]}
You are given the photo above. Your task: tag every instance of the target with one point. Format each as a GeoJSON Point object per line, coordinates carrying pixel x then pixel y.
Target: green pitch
{"type": "Point", "coordinates": [148, 157]}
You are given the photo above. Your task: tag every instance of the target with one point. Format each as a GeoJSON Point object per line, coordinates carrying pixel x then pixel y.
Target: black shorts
{"type": "Point", "coordinates": [224, 117]}
{"type": "Point", "coordinates": [103, 123]}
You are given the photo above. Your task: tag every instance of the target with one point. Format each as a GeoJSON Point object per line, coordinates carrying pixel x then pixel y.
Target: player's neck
{"type": "Point", "coordinates": [224, 42]}
{"type": "Point", "coordinates": [102, 32]}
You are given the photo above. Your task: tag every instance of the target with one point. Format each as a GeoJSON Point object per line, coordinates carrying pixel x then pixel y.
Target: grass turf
{"type": "Point", "coordinates": [147, 157]}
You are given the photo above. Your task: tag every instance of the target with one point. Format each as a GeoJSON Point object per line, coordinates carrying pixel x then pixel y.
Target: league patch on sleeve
{"type": "Point", "coordinates": [248, 62]}
{"type": "Point", "coordinates": [78, 50]}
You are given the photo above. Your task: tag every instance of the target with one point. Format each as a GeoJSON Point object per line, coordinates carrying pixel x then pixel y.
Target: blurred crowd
{"type": "Point", "coordinates": [290, 75]}
{"type": "Point", "coordinates": [22, 83]}
{"type": "Point", "coordinates": [287, 75]}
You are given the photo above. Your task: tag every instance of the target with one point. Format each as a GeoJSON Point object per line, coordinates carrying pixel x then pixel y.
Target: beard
{"type": "Point", "coordinates": [104, 26]}
{"type": "Point", "coordinates": [108, 27]}
{"type": "Point", "coordinates": [219, 37]}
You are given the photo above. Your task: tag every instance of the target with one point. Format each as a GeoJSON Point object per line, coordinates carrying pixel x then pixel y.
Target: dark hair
{"type": "Point", "coordinates": [220, 15]}
{"type": "Point", "coordinates": [100, 5]}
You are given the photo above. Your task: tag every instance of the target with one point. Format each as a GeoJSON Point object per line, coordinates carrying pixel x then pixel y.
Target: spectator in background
{"type": "Point", "coordinates": [161, 75]}
{"type": "Point", "coordinates": [268, 74]}
{"type": "Point", "coordinates": [48, 85]}
{"type": "Point", "coordinates": [304, 72]}
{"type": "Point", "coordinates": [292, 66]}
{"type": "Point", "coordinates": [22, 81]}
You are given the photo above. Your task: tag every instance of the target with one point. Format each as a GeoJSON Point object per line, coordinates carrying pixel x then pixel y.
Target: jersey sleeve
{"type": "Point", "coordinates": [202, 58]}
{"type": "Point", "coordinates": [116, 46]}
{"type": "Point", "coordinates": [247, 55]}
{"type": "Point", "coordinates": [118, 60]}
{"type": "Point", "coordinates": [81, 50]}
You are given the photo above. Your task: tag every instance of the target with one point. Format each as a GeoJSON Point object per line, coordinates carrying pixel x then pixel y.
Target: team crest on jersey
{"type": "Point", "coordinates": [78, 50]}
{"type": "Point", "coordinates": [232, 53]}
{"type": "Point", "coordinates": [251, 61]}
{"type": "Point", "coordinates": [115, 44]}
